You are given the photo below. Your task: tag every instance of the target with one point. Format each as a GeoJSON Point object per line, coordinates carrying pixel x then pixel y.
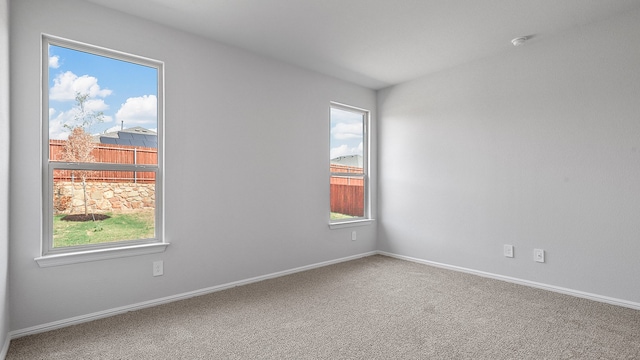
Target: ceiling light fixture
{"type": "Point", "coordinates": [519, 40]}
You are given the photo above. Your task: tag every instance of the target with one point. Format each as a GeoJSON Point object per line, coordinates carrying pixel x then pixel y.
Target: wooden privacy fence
{"type": "Point", "coordinates": [347, 193]}
{"type": "Point", "coordinates": [109, 153]}
{"type": "Point", "coordinates": [347, 199]}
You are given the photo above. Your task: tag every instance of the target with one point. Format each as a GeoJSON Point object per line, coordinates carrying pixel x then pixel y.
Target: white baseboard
{"type": "Point", "coordinates": [146, 304]}
{"type": "Point", "coordinates": [553, 288]}
{"type": "Point", "coordinates": [5, 347]}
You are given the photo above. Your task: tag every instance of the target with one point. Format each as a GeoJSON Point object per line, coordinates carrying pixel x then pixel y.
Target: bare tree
{"type": "Point", "coordinates": [78, 149]}
{"type": "Point", "coordinates": [79, 145]}
{"type": "Point", "coordinates": [84, 117]}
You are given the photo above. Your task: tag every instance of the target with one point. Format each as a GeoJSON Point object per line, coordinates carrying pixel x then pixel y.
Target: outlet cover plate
{"type": "Point", "coordinates": [508, 251]}
{"type": "Point", "coordinates": [538, 255]}
{"type": "Point", "coordinates": [158, 268]}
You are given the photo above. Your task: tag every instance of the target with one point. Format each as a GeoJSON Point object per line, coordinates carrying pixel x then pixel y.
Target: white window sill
{"type": "Point", "coordinates": [100, 254]}
{"type": "Point", "coordinates": [346, 224]}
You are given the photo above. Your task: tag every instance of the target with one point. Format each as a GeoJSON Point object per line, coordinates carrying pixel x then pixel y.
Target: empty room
{"type": "Point", "coordinates": [319, 179]}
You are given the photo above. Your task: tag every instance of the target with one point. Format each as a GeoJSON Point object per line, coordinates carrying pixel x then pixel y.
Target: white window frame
{"type": "Point", "coordinates": [366, 218]}
{"type": "Point", "coordinates": [51, 256]}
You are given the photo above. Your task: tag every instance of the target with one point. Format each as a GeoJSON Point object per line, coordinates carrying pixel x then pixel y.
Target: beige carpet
{"type": "Point", "coordinates": [372, 308]}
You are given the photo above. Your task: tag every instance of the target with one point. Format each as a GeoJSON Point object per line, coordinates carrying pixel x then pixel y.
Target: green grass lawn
{"type": "Point", "coordinates": [121, 226]}
{"type": "Point", "coordinates": [339, 216]}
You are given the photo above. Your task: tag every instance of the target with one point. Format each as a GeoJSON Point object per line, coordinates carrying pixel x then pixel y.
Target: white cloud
{"type": "Point", "coordinates": [344, 131]}
{"type": "Point", "coordinates": [56, 127]}
{"type": "Point", "coordinates": [112, 129]}
{"type": "Point", "coordinates": [139, 111]}
{"type": "Point", "coordinates": [95, 105]}
{"type": "Point", "coordinates": [54, 61]}
{"type": "Point", "coordinates": [67, 84]}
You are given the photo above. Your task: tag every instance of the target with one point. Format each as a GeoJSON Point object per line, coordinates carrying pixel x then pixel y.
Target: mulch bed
{"type": "Point", "coordinates": [83, 217]}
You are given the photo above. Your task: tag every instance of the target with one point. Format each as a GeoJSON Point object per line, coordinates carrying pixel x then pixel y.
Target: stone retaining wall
{"type": "Point", "coordinates": [68, 197]}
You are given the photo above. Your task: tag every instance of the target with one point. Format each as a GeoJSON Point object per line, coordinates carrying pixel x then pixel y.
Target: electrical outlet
{"type": "Point", "coordinates": [538, 255]}
{"type": "Point", "coordinates": [158, 268]}
{"type": "Point", "coordinates": [354, 236]}
{"type": "Point", "coordinates": [508, 251]}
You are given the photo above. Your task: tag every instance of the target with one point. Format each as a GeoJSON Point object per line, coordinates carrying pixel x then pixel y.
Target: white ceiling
{"type": "Point", "coordinates": [374, 43]}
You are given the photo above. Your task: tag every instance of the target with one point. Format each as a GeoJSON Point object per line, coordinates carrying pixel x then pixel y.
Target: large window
{"type": "Point", "coordinates": [102, 153]}
{"type": "Point", "coordinates": [349, 164]}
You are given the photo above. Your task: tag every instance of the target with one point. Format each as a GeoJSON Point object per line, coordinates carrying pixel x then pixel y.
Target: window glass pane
{"type": "Point", "coordinates": [347, 141]}
{"type": "Point", "coordinates": [347, 197]}
{"type": "Point", "coordinates": [347, 158]}
{"type": "Point", "coordinates": [101, 109]}
{"type": "Point", "coordinates": [95, 207]}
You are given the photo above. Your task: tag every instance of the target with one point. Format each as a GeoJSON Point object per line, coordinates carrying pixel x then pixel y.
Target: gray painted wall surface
{"type": "Point", "coordinates": [269, 215]}
{"type": "Point", "coordinates": [4, 168]}
{"type": "Point", "coordinates": [538, 147]}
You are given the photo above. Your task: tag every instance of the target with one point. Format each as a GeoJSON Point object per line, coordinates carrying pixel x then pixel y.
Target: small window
{"type": "Point", "coordinates": [349, 164]}
{"type": "Point", "coordinates": [102, 151]}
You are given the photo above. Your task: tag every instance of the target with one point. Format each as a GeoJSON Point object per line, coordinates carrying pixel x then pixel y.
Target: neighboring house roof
{"type": "Point", "coordinates": [135, 136]}
{"type": "Point", "coordinates": [348, 160]}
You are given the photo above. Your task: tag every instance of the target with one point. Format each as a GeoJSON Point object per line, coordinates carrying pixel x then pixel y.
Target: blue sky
{"type": "Point", "coordinates": [346, 133]}
{"type": "Point", "coordinates": [123, 91]}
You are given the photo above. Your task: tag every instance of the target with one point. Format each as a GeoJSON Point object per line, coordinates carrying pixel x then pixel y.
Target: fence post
{"type": "Point", "coordinates": [135, 162]}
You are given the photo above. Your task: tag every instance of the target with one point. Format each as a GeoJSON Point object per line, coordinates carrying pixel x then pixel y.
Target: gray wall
{"type": "Point", "coordinates": [254, 130]}
{"type": "Point", "coordinates": [4, 169]}
{"type": "Point", "coordinates": [538, 147]}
